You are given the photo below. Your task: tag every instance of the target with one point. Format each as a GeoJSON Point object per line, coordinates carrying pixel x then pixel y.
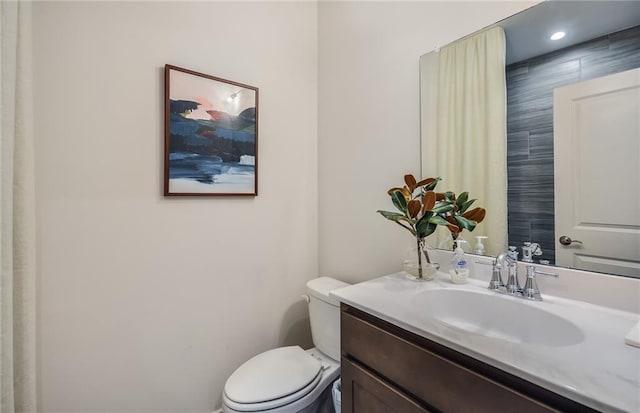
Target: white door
{"type": "Point", "coordinates": [597, 173]}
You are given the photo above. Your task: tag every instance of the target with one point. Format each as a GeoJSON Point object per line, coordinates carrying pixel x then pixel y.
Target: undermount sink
{"type": "Point", "coordinates": [498, 316]}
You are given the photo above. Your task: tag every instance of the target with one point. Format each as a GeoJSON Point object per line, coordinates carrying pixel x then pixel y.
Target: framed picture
{"type": "Point", "coordinates": [211, 135]}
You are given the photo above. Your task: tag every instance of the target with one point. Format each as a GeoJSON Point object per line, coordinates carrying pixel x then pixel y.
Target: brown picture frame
{"type": "Point", "coordinates": [211, 135]}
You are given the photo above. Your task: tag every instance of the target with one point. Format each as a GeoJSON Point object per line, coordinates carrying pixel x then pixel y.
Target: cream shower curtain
{"type": "Point", "coordinates": [471, 129]}
{"type": "Point", "coordinates": [17, 213]}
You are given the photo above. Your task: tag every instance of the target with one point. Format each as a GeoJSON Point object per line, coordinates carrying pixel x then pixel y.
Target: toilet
{"type": "Point", "coordinates": [290, 379]}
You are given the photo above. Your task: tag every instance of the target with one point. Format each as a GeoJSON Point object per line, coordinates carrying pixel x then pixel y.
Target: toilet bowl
{"type": "Point", "coordinates": [290, 379]}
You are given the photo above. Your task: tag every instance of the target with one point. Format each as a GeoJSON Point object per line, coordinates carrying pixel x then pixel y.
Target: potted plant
{"type": "Point", "coordinates": [418, 214]}
{"type": "Point", "coordinates": [421, 210]}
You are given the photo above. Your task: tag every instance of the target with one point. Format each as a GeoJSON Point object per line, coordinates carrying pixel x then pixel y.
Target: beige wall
{"type": "Point", "coordinates": [369, 121]}
{"type": "Point", "coordinates": [147, 303]}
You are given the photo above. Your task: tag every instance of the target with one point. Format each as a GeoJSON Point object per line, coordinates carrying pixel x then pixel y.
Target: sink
{"type": "Point", "coordinates": [498, 316]}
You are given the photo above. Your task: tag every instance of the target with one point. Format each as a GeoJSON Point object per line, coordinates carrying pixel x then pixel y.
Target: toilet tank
{"type": "Point", "coordinates": [324, 315]}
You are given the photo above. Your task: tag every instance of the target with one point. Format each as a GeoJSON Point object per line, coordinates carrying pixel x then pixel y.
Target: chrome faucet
{"type": "Point", "coordinates": [511, 258]}
{"type": "Point", "coordinates": [529, 250]}
{"type": "Point", "coordinates": [531, 291]}
{"type": "Point", "coordinates": [496, 283]}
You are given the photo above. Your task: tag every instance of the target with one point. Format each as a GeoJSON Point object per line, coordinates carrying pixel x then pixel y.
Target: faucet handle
{"type": "Point", "coordinates": [529, 250]}
{"type": "Point", "coordinates": [531, 290]}
{"type": "Point", "coordinates": [492, 262]}
{"type": "Point", "coordinates": [538, 272]}
{"type": "Point", "coordinates": [496, 283]}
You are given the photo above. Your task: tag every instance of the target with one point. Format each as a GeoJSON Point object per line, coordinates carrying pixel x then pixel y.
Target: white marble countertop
{"type": "Point", "coordinates": [601, 371]}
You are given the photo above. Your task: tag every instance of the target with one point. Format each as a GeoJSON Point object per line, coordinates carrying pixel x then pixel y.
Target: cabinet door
{"type": "Point", "coordinates": [452, 387]}
{"type": "Point", "coordinates": [364, 392]}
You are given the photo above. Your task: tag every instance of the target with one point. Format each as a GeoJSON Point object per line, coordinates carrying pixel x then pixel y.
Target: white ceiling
{"type": "Point", "coordinates": [528, 31]}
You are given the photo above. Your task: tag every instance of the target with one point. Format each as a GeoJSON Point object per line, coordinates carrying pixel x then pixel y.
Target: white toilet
{"type": "Point", "coordinates": [290, 379]}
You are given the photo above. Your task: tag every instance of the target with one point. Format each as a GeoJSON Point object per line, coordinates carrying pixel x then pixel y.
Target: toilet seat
{"type": "Point", "coordinates": [272, 379]}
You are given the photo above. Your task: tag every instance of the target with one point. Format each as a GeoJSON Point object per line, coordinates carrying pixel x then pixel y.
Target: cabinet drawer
{"type": "Point", "coordinates": [364, 392]}
{"type": "Point", "coordinates": [441, 383]}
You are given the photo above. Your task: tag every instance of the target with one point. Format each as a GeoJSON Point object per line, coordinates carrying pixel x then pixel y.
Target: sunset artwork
{"type": "Point", "coordinates": [210, 135]}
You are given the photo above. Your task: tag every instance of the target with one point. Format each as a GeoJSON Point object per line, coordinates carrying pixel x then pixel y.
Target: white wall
{"type": "Point", "coordinates": [369, 123]}
{"type": "Point", "coordinates": [149, 303]}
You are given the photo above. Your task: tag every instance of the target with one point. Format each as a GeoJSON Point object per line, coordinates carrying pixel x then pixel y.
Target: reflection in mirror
{"type": "Point", "coordinates": [590, 190]}
{"type": "Point", "coordinates": [471, 80]}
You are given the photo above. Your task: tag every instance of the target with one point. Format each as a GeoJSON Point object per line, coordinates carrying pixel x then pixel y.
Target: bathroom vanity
{"type": "Point", "coordinates": [386, 368]}
{"type": "Point", "coordinates": [402, 353]}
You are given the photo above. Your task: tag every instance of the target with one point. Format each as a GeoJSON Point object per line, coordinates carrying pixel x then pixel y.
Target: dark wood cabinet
{"type": "Point", "coordinates": [387, 369]}
{"type": "Point", "coordinates": [364, 391]}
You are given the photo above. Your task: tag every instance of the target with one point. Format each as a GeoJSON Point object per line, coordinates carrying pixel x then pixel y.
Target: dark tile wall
{"type": "Point", "coordinates": [530, 85]}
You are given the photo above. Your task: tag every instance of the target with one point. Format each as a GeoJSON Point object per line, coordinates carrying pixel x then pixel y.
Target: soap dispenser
{"type": "Point", "coordinates": [459, 268]}
{"type": "Point", "coordinates": [479, 247]}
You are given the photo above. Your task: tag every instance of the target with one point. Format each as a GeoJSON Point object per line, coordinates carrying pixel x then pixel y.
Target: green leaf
{"type": "Point", "coordinates": [461, 199]}
{"type": "Point", "coordinates": [424, 228]}
{"type": "Point", "coordinates": [391, 215]}
{"type": "Point", "coordinates": [442, 207]}
{"type": "Point", "coordinates": [422, 223]}
{"type": "Point", "coordinates": [398, 219]}
{"type": "Point", "coordinates": [432, 185]}
{"type": "Point", "coordinates": [450, 196]}
{"type": "Point", "coordinates": [438, 220]}
{"type": "Point", "coordinates": [466, 206]}
{"type": "Point", "coordinates": [465, 223]}
{"type": "Point", "coordinates": [394, 216]}
{"type": "Point", "coordinates": [399, 201]}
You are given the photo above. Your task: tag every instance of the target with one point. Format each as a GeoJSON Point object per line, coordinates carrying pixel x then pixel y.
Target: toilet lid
{"type": "Point", "coordinates": [272, 375]}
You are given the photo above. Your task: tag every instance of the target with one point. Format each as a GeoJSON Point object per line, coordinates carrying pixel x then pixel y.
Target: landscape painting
{"type": "Point", "coordinates": [211, 135]}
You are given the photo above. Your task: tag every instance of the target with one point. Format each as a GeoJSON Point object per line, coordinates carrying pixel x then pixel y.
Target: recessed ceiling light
{"type": "Point", "coordinates": [557, 35]}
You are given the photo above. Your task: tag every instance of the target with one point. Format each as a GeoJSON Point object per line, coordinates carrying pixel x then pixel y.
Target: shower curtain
{"type": "Point", "coordinates": [17, 213]}
{"type": "Point", "coordinates": [471, 129]}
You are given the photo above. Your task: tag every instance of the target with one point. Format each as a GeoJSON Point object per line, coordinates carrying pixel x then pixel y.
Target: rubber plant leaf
{"type": "Point", "coordinates": [461, 200]}
{"type": "Point", "coordinates": [398, 219]}
{"type": "Point", "coordinates": [394, 216]}
{"type": "Point", "coordinates": [404, 191]}
{"type": "Point", "coordinates": [422, 223]}
{"type": "Point", "coordinates": [431, 185]}
{"type": "Point", "coordinates": [424, 228]}
{"type": "Point", "coordinates": [476, 214]}
{"type": "Point", "coordinates": [466, 205]}
{"type": "Point", "coordinates": [431, 228]}
{"type": "Point", "coordinates": [411, 182]}
{"type": "Point", "coordinates": [427, 181]}
{"type": "Point", "coordinates": [428, 201]}
{"type": "Point", "coordinates": [453, 228]}
{"type": "Point", "coordinates": [399, 201]}
{"type": "Point", "coordinates": [442, 207]}
{"type": "Point", "coordinates": [465, 223]}
{"type": "Point", "coordinates": [480, 216]}
{"type": "Point", "coordinates": [438, 220]}
{"type": "Point", "coordinates": [414, 208]}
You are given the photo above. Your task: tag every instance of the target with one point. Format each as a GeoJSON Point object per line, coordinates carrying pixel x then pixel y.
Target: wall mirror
{"type": "Point", "coordinates": [572, 133]}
